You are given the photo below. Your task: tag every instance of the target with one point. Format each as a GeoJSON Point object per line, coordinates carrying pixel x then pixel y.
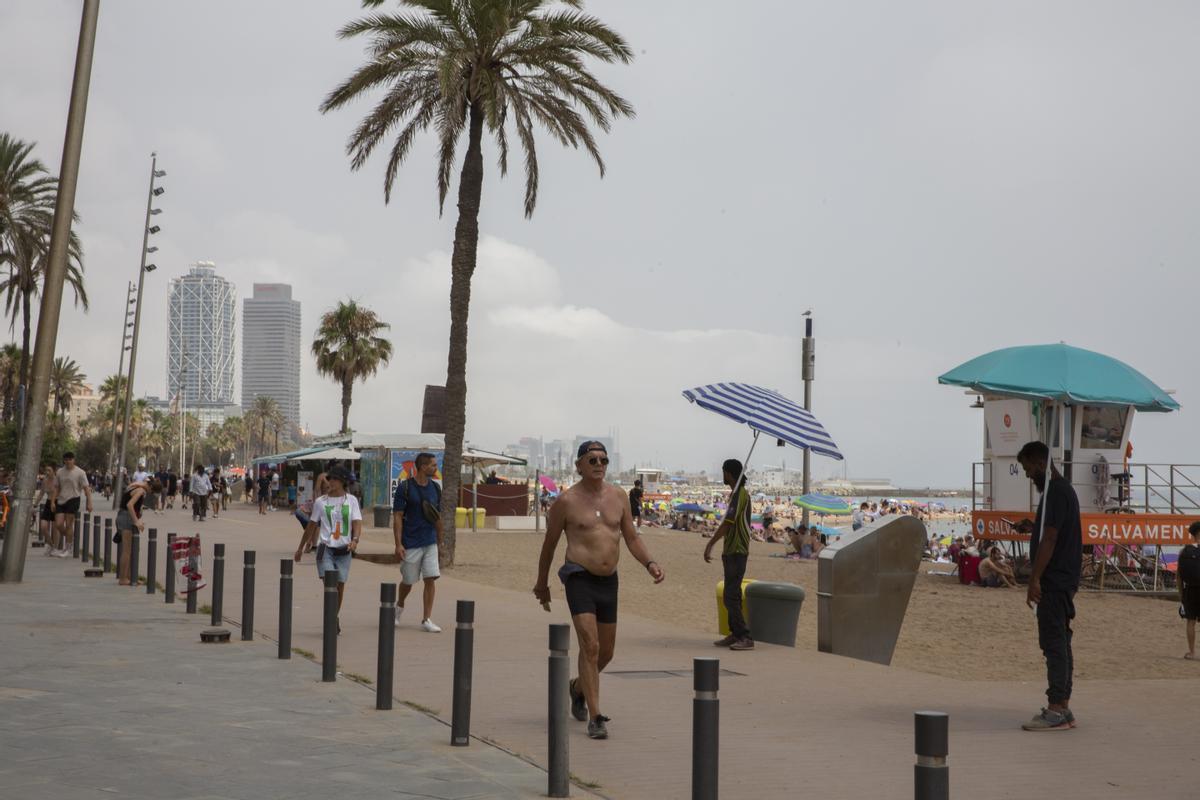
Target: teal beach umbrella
{"type": "Point", "coordinates": [823, 504]}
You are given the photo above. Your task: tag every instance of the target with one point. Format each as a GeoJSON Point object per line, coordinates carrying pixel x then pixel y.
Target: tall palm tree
{"type": "Point", "coordinates": [113, 388]}
{"type": "Point", "coordinates": [347, 348]}
{"type": "Point", "coordinates": [66, 379]}
{"type": "Point", "coordinates": [27, 198]}
{"type": "Point", "coordinates": [467, 65]}
{"type": "Point", "coordinates": [10, 371]}
{"type": "Point", "coordinates": [264, 414]}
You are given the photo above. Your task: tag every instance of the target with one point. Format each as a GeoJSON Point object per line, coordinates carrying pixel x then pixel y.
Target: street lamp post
{"type": "Point", "coordinates": [16, 540]}
{"type": "Point", "coordinates": [147, 229]}
{"type": "Point", "coordinates": [809, 356]}
{"type": "Point", "coordinates": [182, 421]}
{"type": "Point", "coordinates": [126, 324]}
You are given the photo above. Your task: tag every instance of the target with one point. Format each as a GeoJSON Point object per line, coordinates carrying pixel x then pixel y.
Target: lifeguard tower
{"type": "Point", "coordinates": [1081, 404]}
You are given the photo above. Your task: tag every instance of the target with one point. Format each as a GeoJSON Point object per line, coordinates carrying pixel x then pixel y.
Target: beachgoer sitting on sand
{"type": "Point", "coordinates": [995, 571]}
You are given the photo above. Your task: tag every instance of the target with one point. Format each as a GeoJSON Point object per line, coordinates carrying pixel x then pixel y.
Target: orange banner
{"type": "Point", "coordinates": [1168, 530]}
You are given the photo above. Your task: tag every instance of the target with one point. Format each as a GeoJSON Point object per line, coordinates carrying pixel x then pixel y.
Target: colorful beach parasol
{"type": "Point", "coordinates": [548, 483]}
{"type": "Point", "coordinates": [690, 508]}
{"type": "Point", "coordinates": [823, 504]}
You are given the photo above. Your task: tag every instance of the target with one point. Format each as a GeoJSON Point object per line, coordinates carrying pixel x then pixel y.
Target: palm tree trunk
{"type": "Point", "coordinates": [347, 389]}
{"type": "Point", "coordinates": [23, 396]}
{"type": "Point", "coordinates": [462, 269]}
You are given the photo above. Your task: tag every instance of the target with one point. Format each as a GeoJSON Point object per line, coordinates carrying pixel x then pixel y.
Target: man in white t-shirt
{"type": "Point", "coordinates": [70, 484]}
{"type": "Point", "coordinates": [337, 521]}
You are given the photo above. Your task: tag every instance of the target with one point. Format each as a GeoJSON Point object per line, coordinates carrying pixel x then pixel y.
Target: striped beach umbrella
{"type": "Point", "coordinates": [766, 411]}
{"type": "Point", "coordinates": [823, 504]}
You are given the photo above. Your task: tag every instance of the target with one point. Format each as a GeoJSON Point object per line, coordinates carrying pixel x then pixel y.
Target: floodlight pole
{"type": "Point", "coordinates": [29, 456]}
{"type": "Point", "coordinates": [809, 360]}
{"type": "Point", "coordinates": [112, 444]}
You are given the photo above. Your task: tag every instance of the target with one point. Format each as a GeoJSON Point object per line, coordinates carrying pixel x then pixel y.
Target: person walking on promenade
{"type": "Point", "coordinates": [46, 527]}
{"type": "Point", "coordinates": [735, 530]}
{"type": "Point", "coordinates": [248, 480]}
{"type": "Point", "coordinates": [70, 483]}
{"type": "Point", "coordinates": [264, 489]}
{"type": "Point", "coordinates": [172, 486]}
{"type": "Point", "coordinates": [336, 523]}
{"type": "Point", "coordinates": [201, 488]}
{"type": "Point", "coordinates": [595, 516]}
{"type": "Point", "coordinates": [214, 494]}
{"type": "Point", "coordinates": [635, 503]}
{"type": "Point", "coordinates": [129, 516]}
{"type": "Point", "coordinates": [1189, 587]}
{"type": "Point", "coordinates": [417, 527]}
{"type": "Point", "coordinates": [1056, 552]}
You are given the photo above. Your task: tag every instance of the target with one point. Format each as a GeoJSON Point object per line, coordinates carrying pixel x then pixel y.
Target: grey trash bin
{"type": "Point", "coordinates": [774, 610]}
{"type": "Point", "coordinates": [383, 516]}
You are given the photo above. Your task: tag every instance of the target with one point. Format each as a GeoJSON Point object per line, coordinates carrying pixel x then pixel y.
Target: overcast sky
{"type": "Point", "coordinates": [933, 179]}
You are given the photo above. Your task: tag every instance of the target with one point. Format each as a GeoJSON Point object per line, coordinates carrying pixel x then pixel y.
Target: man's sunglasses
{"type": "Point", "coordinates": [594, 461]}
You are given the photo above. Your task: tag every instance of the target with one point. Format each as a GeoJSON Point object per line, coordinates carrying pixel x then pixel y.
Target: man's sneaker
{"type": "Point", "coordinates": [578, 704]}
{"type": "Point", "coordinates": [428, 626]}
{"type": "Point", "coordinates": [1050, 720]}
{"type": "Point", "coordinates": [64, 553]}
{"type": "Point", "coordinates": [597, 729]}
{"type": "Point", "coordinates": [745, 643]}
{"type": "Point", "coordinates": [399, 613]}
{"type": "Point", "coordinates": [726, 642]}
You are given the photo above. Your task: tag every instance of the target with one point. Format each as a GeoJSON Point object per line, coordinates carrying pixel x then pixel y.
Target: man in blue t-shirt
{"type": "Point", "coordinates": [417, 526]}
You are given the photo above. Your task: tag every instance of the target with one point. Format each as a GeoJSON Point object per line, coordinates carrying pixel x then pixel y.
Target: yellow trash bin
{"type": "Point", "coordinates": [722, 614]}
{"type": "Point", "coordinates": [480, 517]}
{"type": "Point", "coordinates": [462, 518]}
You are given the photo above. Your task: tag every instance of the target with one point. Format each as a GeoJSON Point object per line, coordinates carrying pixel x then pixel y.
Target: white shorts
{"type": "Point", "coordinates": [420, 562]}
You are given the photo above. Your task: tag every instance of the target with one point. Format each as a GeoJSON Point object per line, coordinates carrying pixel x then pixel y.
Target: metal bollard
{"type": "Point", "coordinates": [248, 558]}
{"type": "Point", "coordinates": [95, 540]}
{"type": "Point", "coordinates": [560, 700]}
{"type": "Point", "coordinates": [286, 565]}
{"type": "Point", "coordinates": [931, 775]}
{"type": "Point", "coordinates": [169, 576]}
{"type": "Point", "coordinates": [385, 663]}
{"type": "Point", "coordinates": [218, 583]}
{"type": "Point", "coordinates": [108, 544]}
{"type": "Point", "coordinates": [134, 557]}
{"type": "Point", "coordinates": [75, 538]}
{"type": "Point", "coordinates": [191, 593]}
{"type": "Point", "coordinates": [705, 728]}
{"type": "Point", "coordinates": [87, 537]}
{"type": "Point", "coordinates": [464, 654]}
{"type": "Point", "coordinates": [329, 632]}
{"type": "Point", "coordinates": [151, 560]}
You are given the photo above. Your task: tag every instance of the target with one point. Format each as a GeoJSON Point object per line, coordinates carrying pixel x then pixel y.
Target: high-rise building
{"type": "Point", "coordinates": [201, 315]}
{"type": "Point", "coordinates": [271, 348]}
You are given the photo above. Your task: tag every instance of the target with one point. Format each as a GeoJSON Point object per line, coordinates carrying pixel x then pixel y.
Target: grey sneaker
{"type": "Point", "coordinates": [728, 640]}
{"type": "Point", "coordinates": [745, 643]}
{"type": "Point", "coordinates": [578, 704]}
{"type": "Point", "coordinates": [597, 729]}
{"type": "Point", "coordinates": [1050, 720]}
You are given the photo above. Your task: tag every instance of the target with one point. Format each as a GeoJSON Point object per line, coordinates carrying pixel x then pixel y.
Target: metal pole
{"type": "Point", "coordinates": [559, 774]}
{"type": "Point", "coordinates": [112, 443]}
{"type": "Point", "coordinates": [137, 325]}
{"type": "Point", "coordinates": [329, 631]}
{"type": "Point", "coordinates": [87, 536]}
{"type": "Point", "coordinates": [809, 360]}
{"type": "Point", "coordinates": [75, 538]}
{"type": "Point", "coordinates": [191, 581]}
{"type": "Point", "coordinates": [134, 556]}
{"type": "Point", "coordinates": [537, 501]}
{"type": "Point", "coordinates": [108, 544]}
{"type": "Point", "coordinates": [705, 728]}
{"type": "Point", "coordinates": [16, 542]}
{"type": "Point", "coordinates": [169, 576]}
{"type": "Point", "coordinates": [218, 584]}
{"type": "Point", "coordinates": [385, 663]}
{"type": "Point", "coordinates": [151, 560]}
{"type": "Point", "coordinates": [248, 559]}
{"type": "Point", "coordinates": [931, 775]}
{"type": "Point", "coordinates": [286, 565]}
{"type": "Point", "coordinates": [96, 540]}
{"type": "Point", "coordinates": [464, 654]}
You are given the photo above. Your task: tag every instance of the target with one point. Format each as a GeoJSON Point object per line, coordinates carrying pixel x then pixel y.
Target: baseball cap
{"type": "Point", "coordinates": [587, 447]}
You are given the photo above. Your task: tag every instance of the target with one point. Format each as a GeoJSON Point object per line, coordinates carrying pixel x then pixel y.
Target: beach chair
{"type": "Point", "coordinates": [968, 569]}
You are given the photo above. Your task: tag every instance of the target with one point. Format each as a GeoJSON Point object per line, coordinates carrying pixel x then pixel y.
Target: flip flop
{"type": "Point", "coordinates": [1189, 656]}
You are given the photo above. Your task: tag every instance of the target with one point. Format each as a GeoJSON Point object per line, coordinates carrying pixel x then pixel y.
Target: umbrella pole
{"type": "Point", "coordinates": [745, 468]}
{"type": "Point", "coordinates": [474, 494]}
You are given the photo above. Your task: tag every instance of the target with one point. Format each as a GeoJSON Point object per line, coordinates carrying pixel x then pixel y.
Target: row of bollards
{"type": "Point", "coordinates": [931, 776]}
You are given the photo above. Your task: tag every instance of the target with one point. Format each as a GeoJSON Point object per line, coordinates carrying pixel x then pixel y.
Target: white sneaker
{"type": "Point", "coordinates": [428, 626]}
{"type": "Point", "coordinates": [64, 553]}
{"type": "Point", "coordinates": [399, 613]}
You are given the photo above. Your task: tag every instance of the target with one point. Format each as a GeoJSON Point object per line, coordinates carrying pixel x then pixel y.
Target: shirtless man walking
{"type": "Point", "coordinates": [595, 516]}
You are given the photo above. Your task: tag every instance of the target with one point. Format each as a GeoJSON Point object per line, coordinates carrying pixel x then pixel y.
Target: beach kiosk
{"type": "Point", "coordinates": [1082, 405]}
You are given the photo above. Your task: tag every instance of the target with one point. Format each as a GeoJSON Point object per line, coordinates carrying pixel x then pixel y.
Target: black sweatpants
{"type": "Point", "coordinates": [735, 570]}
{"type": "Point", "coordinates": [1054, 615]}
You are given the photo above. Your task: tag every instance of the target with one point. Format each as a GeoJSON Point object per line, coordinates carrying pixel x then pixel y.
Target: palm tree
{"type": "Point", "coordinates": [464, 65]}
{"type": "Point", "coordinates": [10, 370]}
{"type": "Point", "coordinates": [27, 198]}
{"type": "Point", "coordinates": [347, 348]}
{"type": "Point", "coordinates": [66, 379]}
{"type": "Point", "coordinates": [264, 413]}
{"type": "Point", "coordinates": [155, 435]}
{"type": "Point", "coordinates": [112, 389]}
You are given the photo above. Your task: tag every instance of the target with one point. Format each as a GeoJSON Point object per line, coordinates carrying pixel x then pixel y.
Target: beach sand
{"type": "Point", "coordinates": [950, 629]}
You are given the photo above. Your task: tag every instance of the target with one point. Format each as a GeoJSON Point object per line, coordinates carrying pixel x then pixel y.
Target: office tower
{"type": "Point", "coordinates": [271, 348]}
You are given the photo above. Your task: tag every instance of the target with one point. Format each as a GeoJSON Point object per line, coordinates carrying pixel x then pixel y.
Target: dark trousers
{"type": "Point", "coordinates": [1054, 615]}
{"type": "Point", "coordinates": [735, 570]}
{"type": "Point", "coordinates": [199, 505]}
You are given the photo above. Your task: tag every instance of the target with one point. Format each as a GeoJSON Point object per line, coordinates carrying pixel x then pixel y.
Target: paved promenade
{"type": "Point", "coordinates": [793, 723]}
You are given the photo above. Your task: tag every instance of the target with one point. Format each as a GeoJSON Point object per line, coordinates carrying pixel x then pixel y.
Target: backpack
{"type": "Point", "coordinates": [1189, 565]}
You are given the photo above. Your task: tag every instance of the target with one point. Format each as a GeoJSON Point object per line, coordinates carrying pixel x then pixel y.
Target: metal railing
{"type": "Point", "coordinates": [1142, 489]}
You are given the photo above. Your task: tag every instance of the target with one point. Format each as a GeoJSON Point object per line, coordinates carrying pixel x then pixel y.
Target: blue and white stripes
{"type": "Point", "coordinates": [768, 412]}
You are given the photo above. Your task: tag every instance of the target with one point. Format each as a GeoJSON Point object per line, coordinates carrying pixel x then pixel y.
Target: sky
{"type": "Point", "coordinates": [934, 180]}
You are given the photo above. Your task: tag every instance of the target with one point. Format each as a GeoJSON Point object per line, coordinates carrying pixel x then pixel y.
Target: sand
{"type": "Point", "coordinates": [950, 629]}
